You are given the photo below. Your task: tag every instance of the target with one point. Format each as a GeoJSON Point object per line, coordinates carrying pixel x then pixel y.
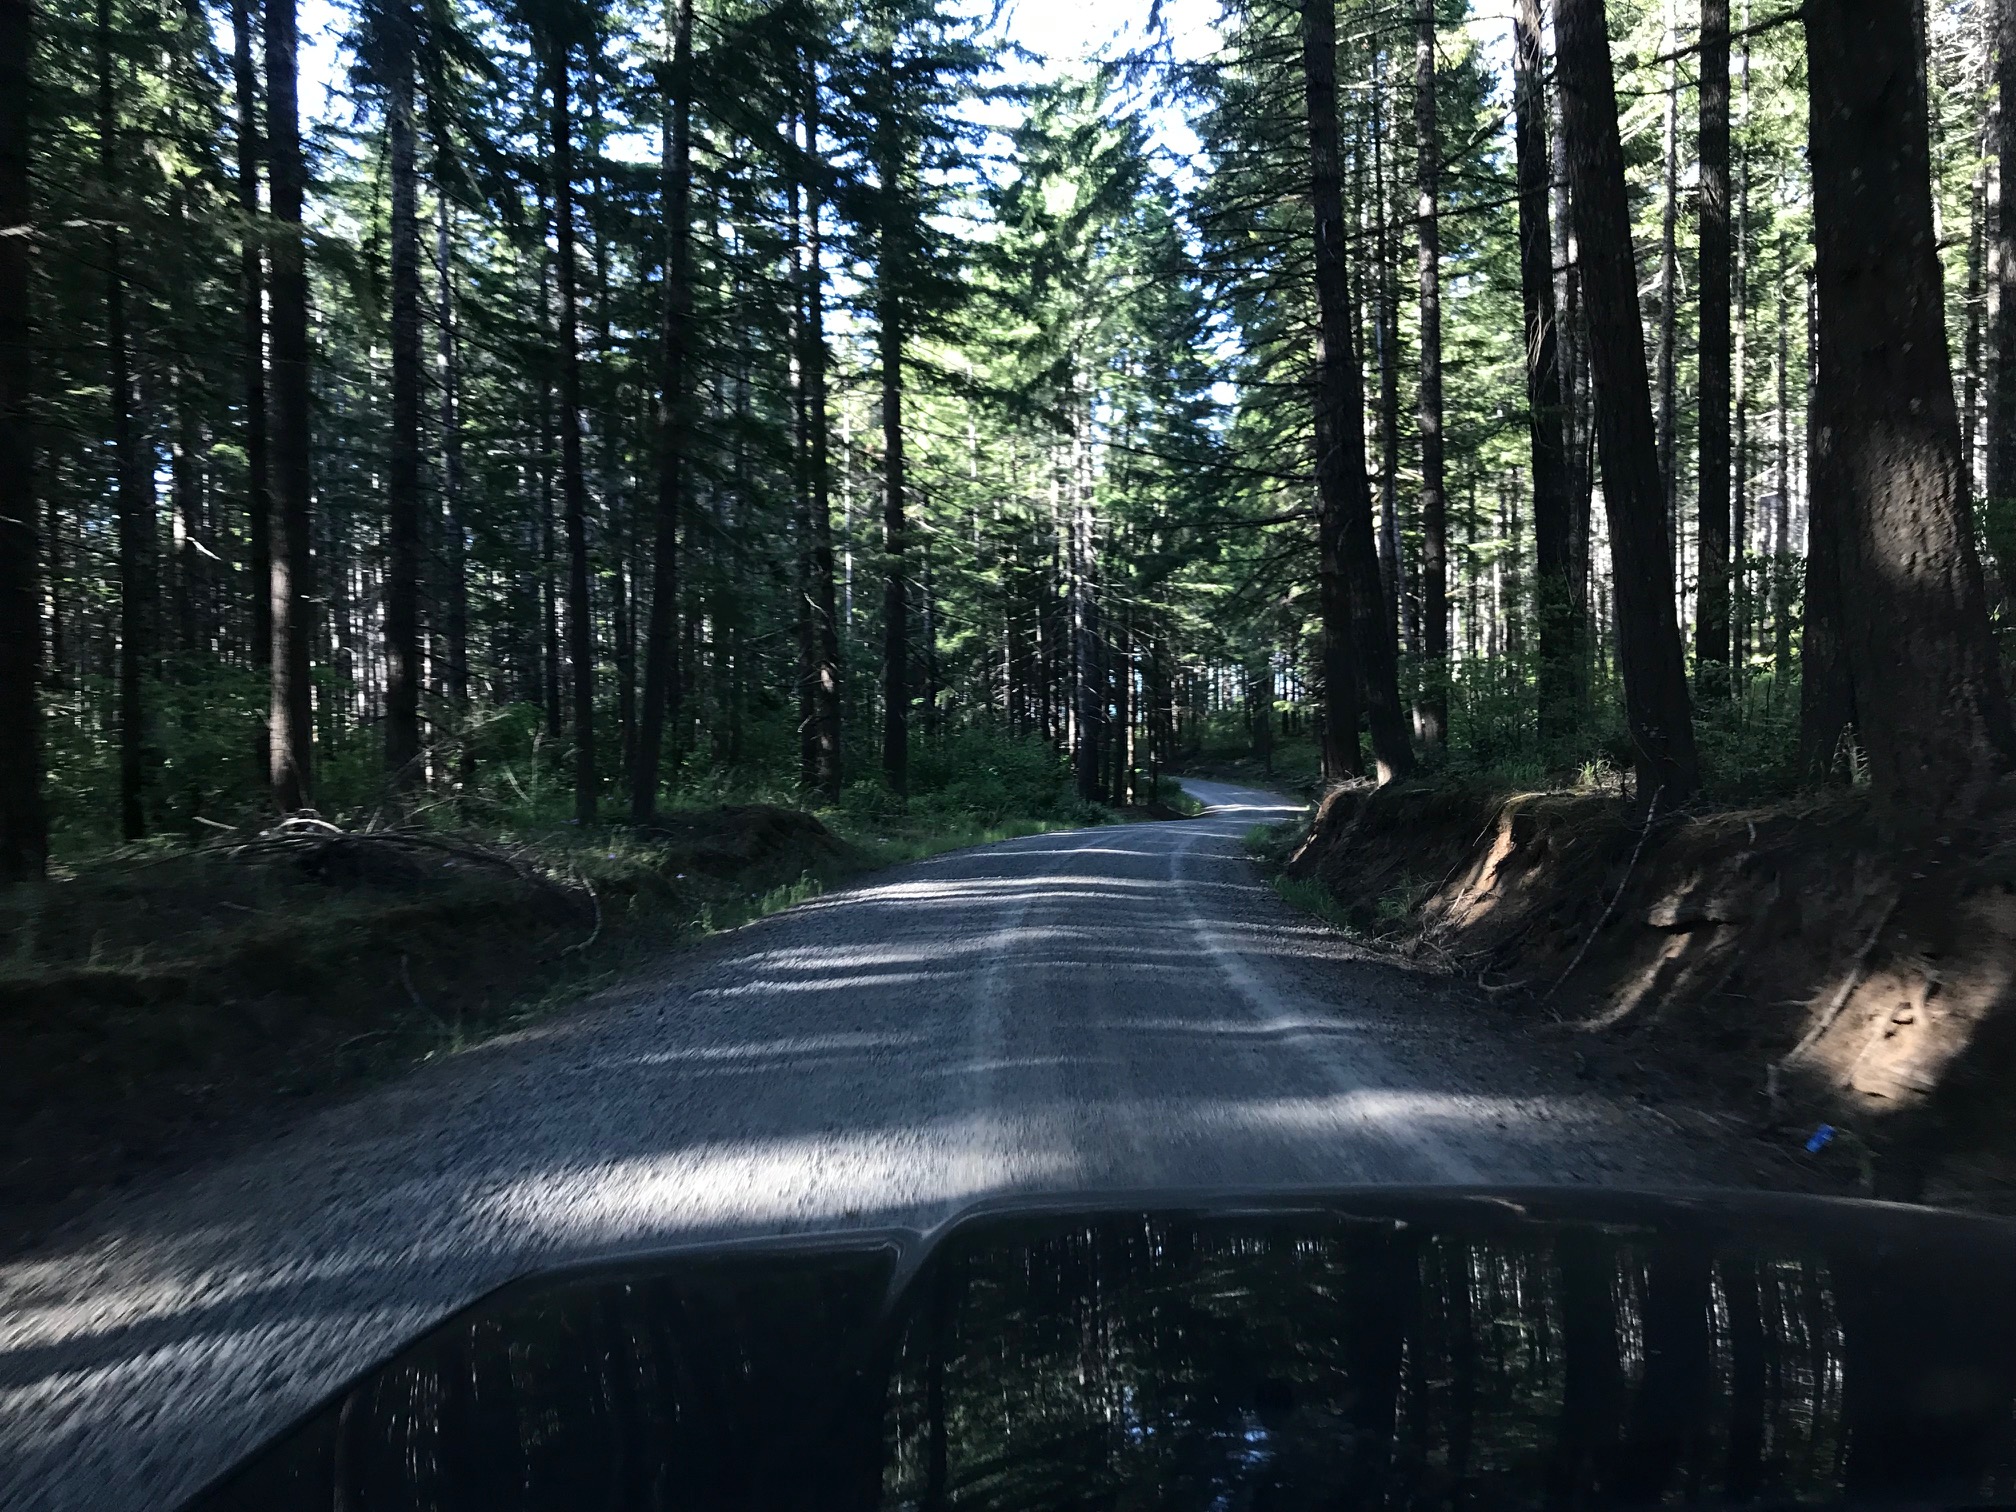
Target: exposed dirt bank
{"type": "Point", "coordinates": [1781, 962]}
{"type": "Point", "coordinates": [153, 1011]}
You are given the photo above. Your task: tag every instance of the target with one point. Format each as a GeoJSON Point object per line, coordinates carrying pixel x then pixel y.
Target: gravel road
{"type": "Point", "coordinates": [1129, 1006]}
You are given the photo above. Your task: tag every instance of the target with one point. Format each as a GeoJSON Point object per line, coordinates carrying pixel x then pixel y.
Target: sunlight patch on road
{"type": "Point", "coordinates": [780, 1184]}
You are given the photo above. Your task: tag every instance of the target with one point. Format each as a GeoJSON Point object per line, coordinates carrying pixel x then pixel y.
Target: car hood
{"type": "Point", "coordinates": [1383, 1348]}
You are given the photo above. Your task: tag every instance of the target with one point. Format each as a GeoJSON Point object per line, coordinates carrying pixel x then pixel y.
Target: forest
{"type": "Point", "coordinates": [561, 411]}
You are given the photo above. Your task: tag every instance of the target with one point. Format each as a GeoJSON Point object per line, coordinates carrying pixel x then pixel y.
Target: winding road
{"type": "Point", "coordinates": [1120, 1007]}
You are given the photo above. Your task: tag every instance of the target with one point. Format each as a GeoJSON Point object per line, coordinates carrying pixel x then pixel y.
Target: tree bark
{"type": "Point", "coordinates": [1973, 322]}
{"type": "Point", "coordinates": [573, 478]}
{"type": "Point", "coordinates": [890, 279]}
{"type": "Point", "coordinates": [454, 564]}
{"type": "Point", "coordinates": [24, 825]}
{"type": "Point", "coordinates": [661, 642]}
{"type": "Point", "coordinates": [402, 490]}
{"type": "Point", "coordinates": [825, 667]}
{"type": "Point", "coordinates": [252, 320]}
{"type": "Point", "coordinates": [1669, 282]}
{"type": "Point", "coordinates": [1386, 331]}
{"type": "Point", "coordinates": [291, 720]}
{"type": "Point", "coordinates": [133, 481]}
{"type": "Point", "coordinates": [1358, 638]}
{"type": "Point", "coordinates": [1431, 712]}
{"type": "Point", "coordinates": [1546, 406]}
{"type": "Point", "coordinates": [1657, 709]}
{"type": "Point", "coordinates": [1711, 612]}
{"type": "Point", "coordinates": [1739, 502]}
{"type": "Point", "coordinates": [1999, 511]}
{"type": "Point", "coordinates": [1928, 695]}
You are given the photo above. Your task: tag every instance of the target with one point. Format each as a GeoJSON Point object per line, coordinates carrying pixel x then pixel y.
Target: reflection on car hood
{"type": "Point", "coordinates": [1363, 1349]}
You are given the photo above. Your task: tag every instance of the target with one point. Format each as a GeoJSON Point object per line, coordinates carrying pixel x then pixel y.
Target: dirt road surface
{"type": "Point", "coordinates": [1120, 1007]}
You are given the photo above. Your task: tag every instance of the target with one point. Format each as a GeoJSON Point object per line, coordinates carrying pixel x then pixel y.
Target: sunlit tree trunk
{"type": "Point", "coordinates": [1999, 511]}
{"type": "Point", "coordinates": [1928, 696]}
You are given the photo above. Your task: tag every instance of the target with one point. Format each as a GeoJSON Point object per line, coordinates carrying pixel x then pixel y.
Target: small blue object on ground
{"type": "Point", "coordinates": [1822, 1136]}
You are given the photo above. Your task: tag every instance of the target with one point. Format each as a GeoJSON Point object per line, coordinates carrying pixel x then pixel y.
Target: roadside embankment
{"type": "Point", "coordinates": [1781, 961]}
{"type": "Point", "coordinates": [155, 1008]}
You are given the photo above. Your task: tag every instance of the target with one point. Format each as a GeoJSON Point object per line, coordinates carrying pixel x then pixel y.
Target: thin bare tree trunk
{"type": "Point", "coordinates": [573, 476]}
{"type": "Point", "coordinates": [660, 703]}
{"type": "Point", "coordinates": [133, 481]}
{"type": "Point", "coordinates": [1739, 503]}
{"type": "Point", "coordinates": [402, 491]}
{"type": "Point", "coordinates": [1669, 284]}
{"type": "Point", "coordinates": [1431, 712]}
{"type": "Point", "coordinates": [24, 825]}
{"type": "Point", "coordinates": [826, 637]}
{"type": "Point", "coordinates": [1711, 614]}
{"type": "Point", "coordinates": [895, 528]}
{"type": "Point", "coordinates": [252, 321]}
{"type": "Point", "coordinates": [1546, 405]}
{"type": "Point", "coordinates": [455, 559]}
{"type": "Point", "coordinates": [292, 708]}
{"type": "Point", "coordinates": [1340, 407]}
{"type": "Point", "coordinates": [1999, 507]}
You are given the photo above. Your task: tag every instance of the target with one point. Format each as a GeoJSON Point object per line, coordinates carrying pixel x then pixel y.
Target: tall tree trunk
{"type": "Point", "coordinates": [1669, 284]}
{"type": "Point", "coordinates": [890, 279]}
{"type": "Point", "coordinates": [1999, 512]}
{"type": "Point", "coordinates": [1656, 705]}
{"type": "Point", "coordinates": [660, 703]}
{"type": "Point", "coordinates": [252, 321]}
{"type": "Point", "coordinates": [1356, 626]}
{"type": "Point", "coordinates": [1739, 503]}
{"type": "Point", "coordinates": [402, 480]}
{"type": "Point", "coordinates": [825, 669]}
{"type": "Point", "coordinates": [1431, 713]}
{"type": "Point", "coordinates": [1576, 431]}
{"type": "Point", "coordinates": [1781, 481]}
{"type": "Point", "coordinates": [1340, 405]}
{"type": "Point", "coordinates": [1087, 674]}
{"type": "Point", "coordinates": [1711, 613]}
{"type": "Point", "coordinates": [1546, 406]}
{"type": "Point", "coordinates": [455, 559]}
{"type": "Point", "coordinates": [1928, 695]}
{"type": "Point", "coordinates": [1386, 326]}
{"type": "Point", "coordinates": [24, 825]}
{"type": "Point", "coordinates": [1970, 358]}
{"type": "Point", "coordinates": [291, 721]}
{"type": "Point", "coordinates": [573, 478]}
{"type": "Point", "coordinates": [134, 481]}
{"type": "Point", "coordinates": [548, 572]}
